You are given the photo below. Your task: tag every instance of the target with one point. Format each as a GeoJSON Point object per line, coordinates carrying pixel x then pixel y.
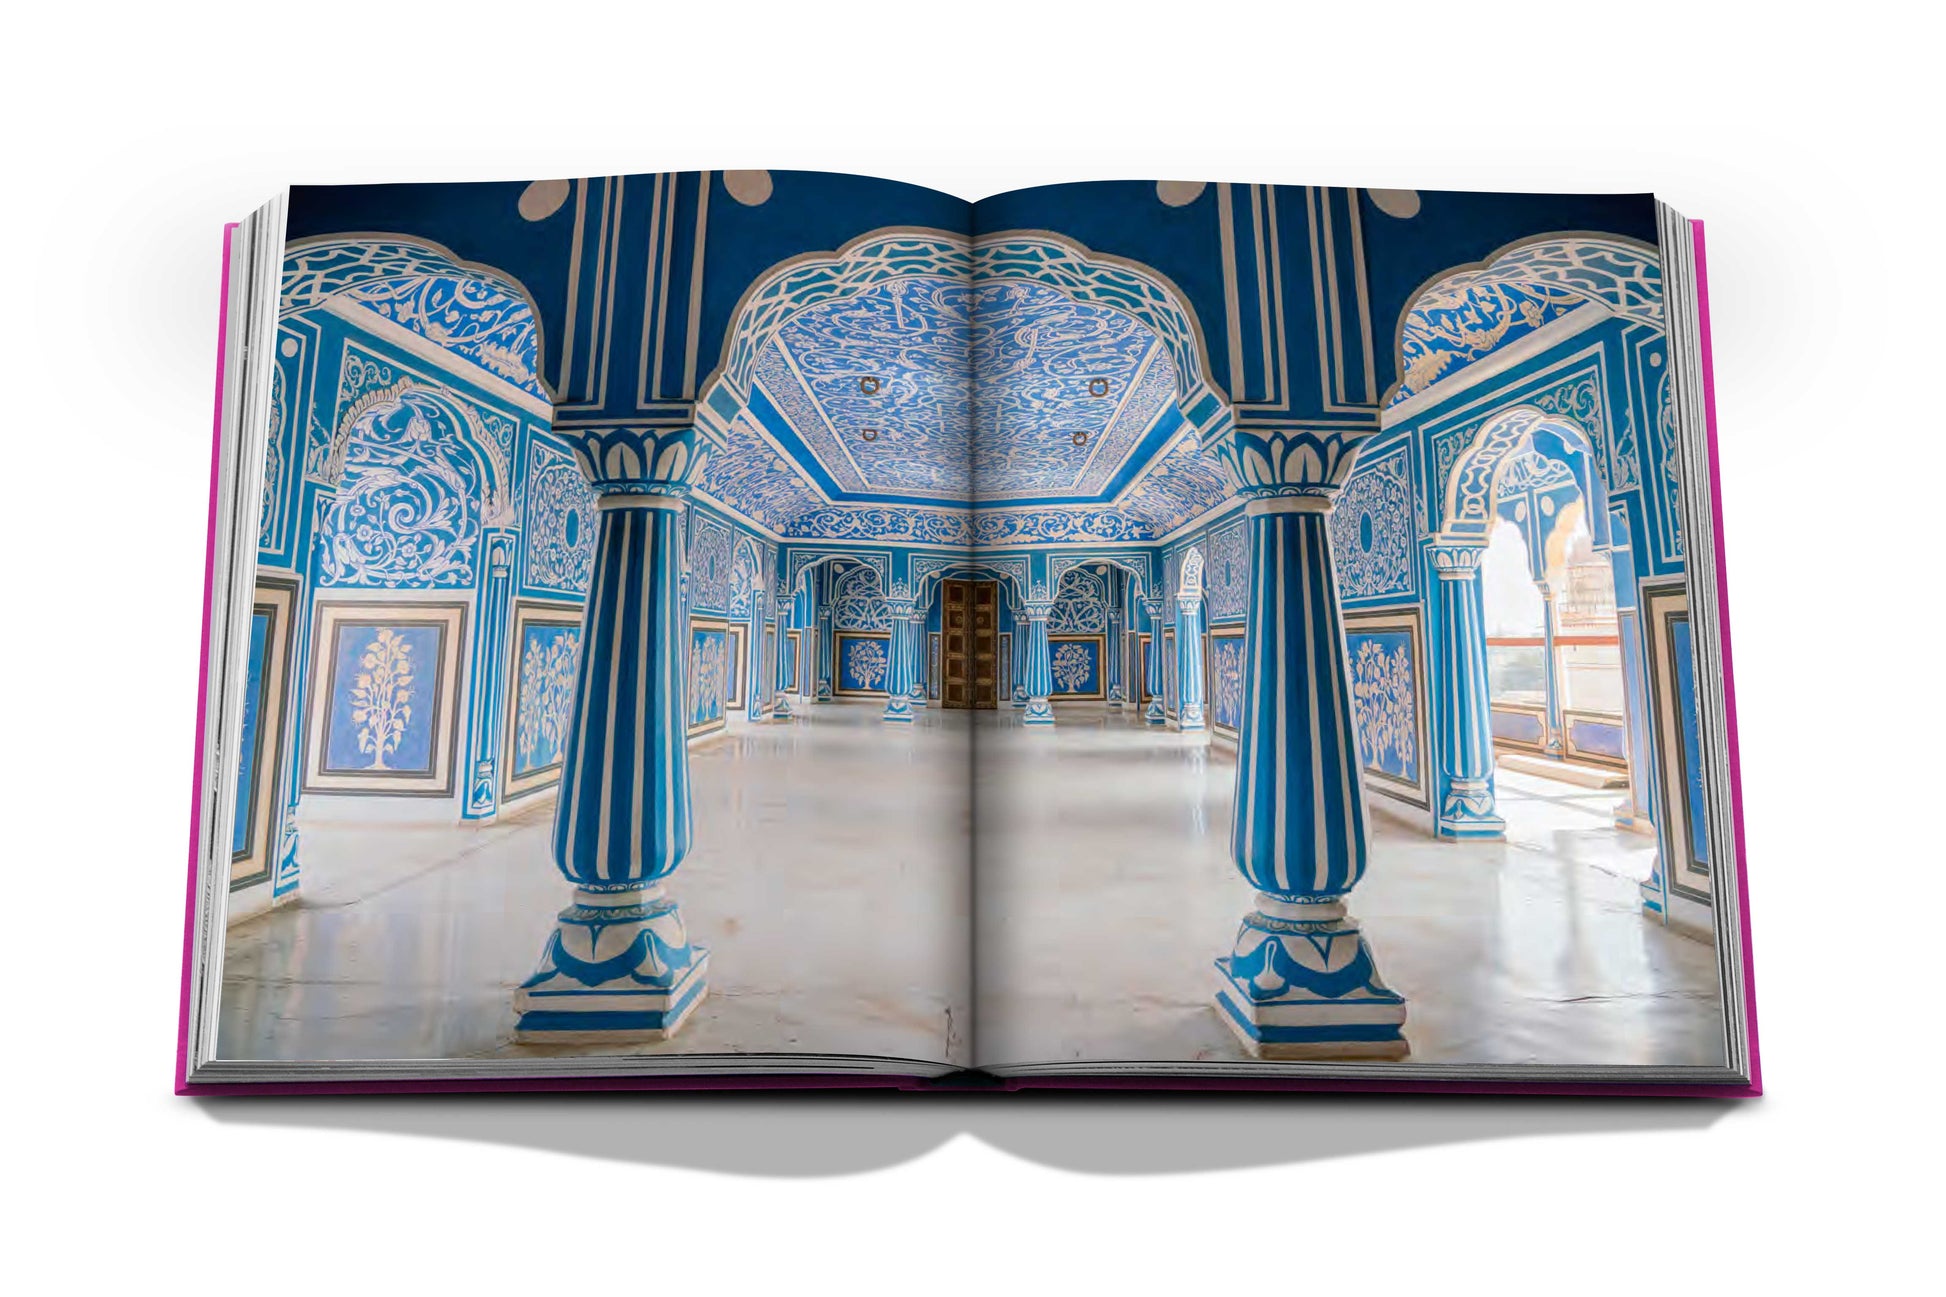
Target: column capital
{"type": "Point", "coordinates": [636, 459]}
{"type": "Point", "coordinates": [1455, 562]}
{"type": "Point", "coordinates": [1295, 459]}
{"type": "Point", "coordinates": [1037, 610]}
{"type": "Point", "coordinates": [900, 609]}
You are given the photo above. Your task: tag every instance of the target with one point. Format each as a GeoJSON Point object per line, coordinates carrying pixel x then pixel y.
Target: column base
{"type": "Point", "coordinates": [1190, 719]}
{"type": "Point", "coordinates": [618, 969]}
{"type": "Point", "coordinates": [898, 710]}
{"type": "Point", "coordinates": [1039, 712]}
{"type": "Point", "coordinates": [824, 692]}
{"type": "Point", "coordinates": [1468, 810]}
{"type": "Point", "coordinates": [1019, 699]}
{"type": "Point", "coordinates": [1155, 715]}
{"type": "Point", "coordinates": [1300, 984]}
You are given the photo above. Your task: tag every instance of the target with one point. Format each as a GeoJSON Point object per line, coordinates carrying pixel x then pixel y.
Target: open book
{"type": "Point", "coordinates": [667, 629]}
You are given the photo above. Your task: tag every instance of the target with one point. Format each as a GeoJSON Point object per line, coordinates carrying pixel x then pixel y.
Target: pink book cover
{"type": "Point", "coordinates": [974, 1082]}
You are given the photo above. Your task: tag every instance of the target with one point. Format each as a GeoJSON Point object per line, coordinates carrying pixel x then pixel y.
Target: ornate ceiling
{"type": "Point", "coordinates": [866, 420]}
{"type": "Point", "coordinates": [934, 391]}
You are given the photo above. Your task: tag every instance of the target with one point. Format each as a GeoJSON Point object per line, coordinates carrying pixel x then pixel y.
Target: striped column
{"type": "Point", "coordinates": [1189, 663]}
{"type": "Point", "coordinates": [1465, 711]}
{"type": "Point", "coordinates": [619, 965]}
{"type": "Point", "coordinates": [1300, 981]}
{"type": "Point", "coordinates": [1037, 671]}
{"type": "Point", "coordinates": [1154, 714]}
{"type": "Point", "coordinates": [899, 670]}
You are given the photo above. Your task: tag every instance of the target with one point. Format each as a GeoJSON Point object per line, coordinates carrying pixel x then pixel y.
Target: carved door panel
{"type": "Point", "coordinates": [969, 646]}
{"type": "Point", "coordinates": [986, 644]}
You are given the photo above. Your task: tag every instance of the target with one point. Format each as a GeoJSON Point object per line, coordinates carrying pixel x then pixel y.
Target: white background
{"type": "Point", "coordinates": [1808, 140]}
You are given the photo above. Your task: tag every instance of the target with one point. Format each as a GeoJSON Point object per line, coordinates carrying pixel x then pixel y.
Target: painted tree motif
{"type": "Point", "coordinates": [1073, 665]}
{"type": "Point", "coordinates": [1382, 690]}
{"type": "Point", "coordinates": [381, 695]}
{"type": "Point", "coordinates": [707, 679]}
{"type": "Point", "coordinates": [865, 662]}
{"type": "Point", "coordinates": [1226, 665]}
{"type": "Point", "coordinates": [546, 698]}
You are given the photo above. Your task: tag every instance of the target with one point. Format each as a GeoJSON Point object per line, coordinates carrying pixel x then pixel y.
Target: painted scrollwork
{"type": "Point", "coordinates": [408, 509]}
{"type": "Point", "coordinates": [561, 522]}
{"type": "Point", "coordinates": [1372, 531]}
{"type": "Point", "coordinates": [859, 603]}
{"type": "Point", "coordinates": [1080, 605]}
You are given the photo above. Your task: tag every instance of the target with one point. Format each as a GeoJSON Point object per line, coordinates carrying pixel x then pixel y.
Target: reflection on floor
{"type": "Point", "coordinates": [1531, 950]}
{"type": "Point", "coordinates": [828, 878]}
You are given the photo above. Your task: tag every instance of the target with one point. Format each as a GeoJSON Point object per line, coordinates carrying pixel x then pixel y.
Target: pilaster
{"type": "Point", "coordinates": [1037, 672]}
{"type": "Point", "coordinates": [1465, 718]}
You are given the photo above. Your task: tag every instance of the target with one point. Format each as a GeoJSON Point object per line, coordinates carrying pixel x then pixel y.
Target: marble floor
{"type": "Point", "coordinates": [1532, 950]}
{"type": "Point", "coordinates": [830, 880]}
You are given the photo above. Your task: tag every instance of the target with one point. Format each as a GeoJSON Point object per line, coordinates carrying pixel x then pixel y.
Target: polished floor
{"type": "Point", "coordinates": [1106, 889]}
{"type": "Point", "coordinates": [830, 880]}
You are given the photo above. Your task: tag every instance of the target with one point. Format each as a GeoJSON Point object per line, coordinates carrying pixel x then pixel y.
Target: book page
{"type": "Point", "coordinates": [1354, 704]}
{"type": "Point", "coordinates": [598, 546]}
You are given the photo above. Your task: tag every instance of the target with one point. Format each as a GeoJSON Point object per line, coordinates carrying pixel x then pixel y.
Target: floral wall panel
{"type": "Point", "coordinates": [1226, 680]}
{"type": "Point", "coordinates": [1388, 689]}
{"type": "Point", "coordinates": [540, 702]}
{"type": "Point", "coordinates": [1077, 661]}
{"type": "Point", "coordinates": [864, 660]}
{"type": "Point", "coordinates": [709, 674]}
{"type": "Point", "coordinates": [385, 683]}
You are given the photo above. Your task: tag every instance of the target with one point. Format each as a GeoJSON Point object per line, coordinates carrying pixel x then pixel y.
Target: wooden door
{"type": "Point", "coordinates": [969, 644]}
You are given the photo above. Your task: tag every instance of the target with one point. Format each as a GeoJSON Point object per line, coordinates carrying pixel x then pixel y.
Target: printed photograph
{"type": "Point", "coordinates": [742, 617]}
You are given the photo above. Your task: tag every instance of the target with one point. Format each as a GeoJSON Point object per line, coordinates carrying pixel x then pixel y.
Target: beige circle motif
{"type": "Point", "coordinates": [289, 347]}
{"type": "Point", "coordinates": [751, 188]}
{"type": "Point", "coordinates": [1179, 193]}
{"type": "Point", "coordinates": [542, 199]}
{"type": "Point", "coordinates": [1400, 203]}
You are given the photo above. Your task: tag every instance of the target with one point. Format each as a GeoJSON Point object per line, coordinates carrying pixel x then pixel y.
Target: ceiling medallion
{"type": "Point", "coordinates": [869, 434]}
{"type": "Point", "coordinates": [1078, 438]}
{"type": "Point", "coordinates": [1097, 387]}
{"type": "Point", "coordinates": [868, 385]}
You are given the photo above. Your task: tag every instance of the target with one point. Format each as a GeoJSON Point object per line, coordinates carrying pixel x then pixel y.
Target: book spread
{"type": "Point", "coordinates": [787, 628]}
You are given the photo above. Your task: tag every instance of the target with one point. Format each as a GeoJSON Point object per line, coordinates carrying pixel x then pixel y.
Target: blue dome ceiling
{"type": "Point", "coordinates": [873, 396]}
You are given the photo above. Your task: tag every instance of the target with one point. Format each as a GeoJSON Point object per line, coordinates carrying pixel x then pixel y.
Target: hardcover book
{"type": "Point", "coordinates": [759, 628]}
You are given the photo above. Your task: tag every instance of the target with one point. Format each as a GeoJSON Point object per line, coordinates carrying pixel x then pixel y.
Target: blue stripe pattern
{"type": "Point", "coordinates": [1299, 829]}
{"type": "Point", "coordinates": [623, 818]}
{"type": "Point", "coordinates": [1037, 672]}
{"type": "Point", "coordinates": [1189, 664]}
{"type": "Point", "coordinates": [1466, 807]}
